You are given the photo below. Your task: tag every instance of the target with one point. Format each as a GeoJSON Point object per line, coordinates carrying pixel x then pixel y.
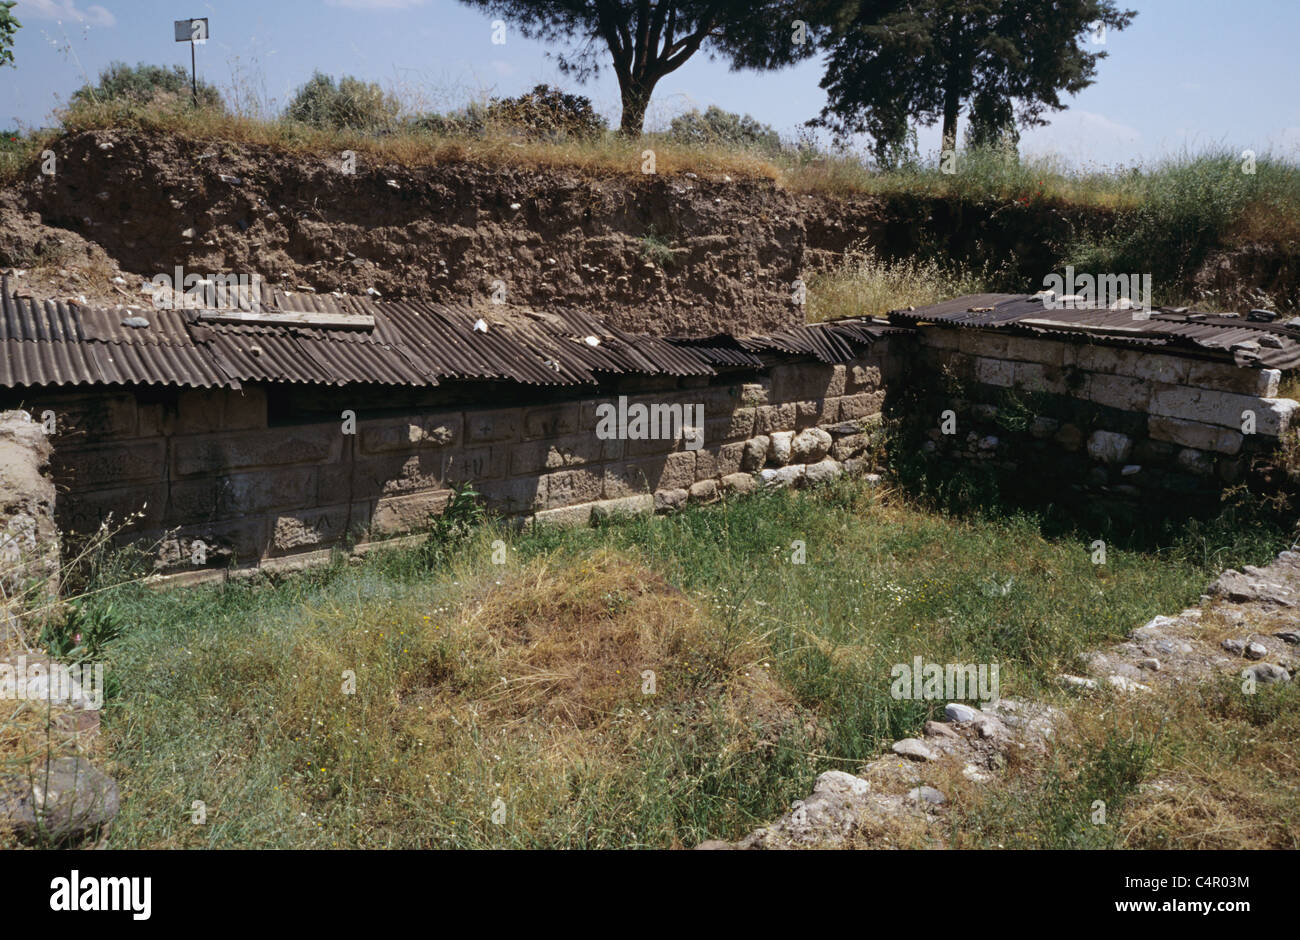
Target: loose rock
{"type": "Point", "coordinates": [914, 749]}
{"type": "Point", "coordinates": [955, 711]}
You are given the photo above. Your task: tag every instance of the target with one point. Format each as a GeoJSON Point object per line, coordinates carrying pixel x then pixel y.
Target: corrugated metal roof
{"type": "Point", "coordinates": [1204, 334]}
{"type": "Point", "coordinates": [54, 342]}
{"type": "Point", "coordinates": [412, 343]}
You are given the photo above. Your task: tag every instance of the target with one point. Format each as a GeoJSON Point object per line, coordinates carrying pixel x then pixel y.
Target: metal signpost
{"type": "Point", "coordinates": [193, 32]}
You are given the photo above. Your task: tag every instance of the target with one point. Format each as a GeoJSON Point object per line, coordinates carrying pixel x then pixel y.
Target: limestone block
{"type": "Point", "coordinates": [220, 453]}
{"type": "Point", "coordinates": [780, 450]}
{"type": "Point", "coordinates": [810, 445]}
{"type": "Point", "coordinates": [551, 421]}
{"type": "Point", "coordinates": [769, 418]}
{"type": "Point", "coordinates": [410, 434]}
{"type": "Point", "coordinates": [642, 504]}
{"type": "Point", "coordinates": [755, 453]}
{"type": "Point", "coordinates": [570, 487]}
{"type": "Point", "coordinates": [112, 464]}
{"type": "Point", "coordinates": [823, 471]}
{"type": "Point", "coordinates": [739, 483]}
{"type": "Point", "coordinates": [565, 515]}
{"type": "Point", "coordinates": [859, 405]}
{"type": "Point", "coordinates": [670, 500]}
{"type": "Point", "coordinates": [483, 427]}
{"type": "Point", "coordinates": [1124, 392]}
{"type": "Point", "coordinates": [782, 476]}
{"type": "Point", "coordinates": [704, 491]}
{"type": "Point", "coordinates": [1195, 461]}
{"type": "Point", "coordinates": [1227, 409]}
{"type": "Point", "coordinates": [476, 464]}
{"type": "Point", "coordinates": [395, 515]}
{"type": "Point", "coordinates": [309, 529]}
{"type": "Point", "coordinates": [999, 372]}
{"type": "Point", "coordinates": [1109, 447]}
{"type": "Point", "coordinates": [1209, 437]}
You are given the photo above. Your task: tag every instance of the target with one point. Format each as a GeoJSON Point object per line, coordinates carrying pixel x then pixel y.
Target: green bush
{"type": "Point", "coordinates": [349, 104]}
{"type": "Point", "coordinates": [716, 126]}
{"type": "Point", "coordinates": [548, 112]}
{"type": "Point", "coordinates": [1185, 210]}
{"type": "Point", "coordinates": [151, 85]}
{"type": "Point", "coordinates": [83, 633]}
{"type": "Point", "coordinates": [449, 530]}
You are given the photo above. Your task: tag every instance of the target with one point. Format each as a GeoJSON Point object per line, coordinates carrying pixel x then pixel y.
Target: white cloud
{"type": "Point", "coordinates": [1083, 137]}
{"type": "Point", "coordinates": [1091, 123]}
{"type": "Point", "coordinates": [93, 15]}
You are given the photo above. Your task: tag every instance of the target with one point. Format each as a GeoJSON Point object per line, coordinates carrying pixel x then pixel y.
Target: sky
{"type": "Point", "coordinates": [1188, 75]}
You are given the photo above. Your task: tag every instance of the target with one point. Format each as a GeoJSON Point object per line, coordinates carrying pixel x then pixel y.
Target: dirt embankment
{"type": "Point", "coordinates": [669, 254]}
{"type": "Point", "coordinates": [672, 255]}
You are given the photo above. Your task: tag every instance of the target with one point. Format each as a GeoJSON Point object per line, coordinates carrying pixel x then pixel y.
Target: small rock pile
{"type": "Point", "coordinates": [1259, 609]}
{"type": "Point", "coordinates": [892, 787]}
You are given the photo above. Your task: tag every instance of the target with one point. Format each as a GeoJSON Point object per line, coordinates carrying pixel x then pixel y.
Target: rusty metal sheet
{"type": "Point", "coordinates": [413, 343]}
{"type": "Point", "coordinates": [25, 318]}
{"type": "Point", "coordinates": [1199, 333]}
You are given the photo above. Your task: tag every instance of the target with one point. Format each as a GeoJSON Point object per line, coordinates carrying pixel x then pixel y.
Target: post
{"type": "Point", "coordinates": [192, 31]}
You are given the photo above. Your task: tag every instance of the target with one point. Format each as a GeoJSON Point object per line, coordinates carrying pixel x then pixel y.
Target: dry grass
{"type": "Point", "coordinates": [523, 682]}
{"type": "Point", "coordinates": [865, 284]}
{"type": "Point", "coordinates": [1195, 767]}
{"type": "Point", "coordinates": [608, 155]}
{"type": "Point", "coordinates": [524, 693]}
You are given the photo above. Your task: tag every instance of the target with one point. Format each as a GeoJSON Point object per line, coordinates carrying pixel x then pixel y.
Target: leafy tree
{"type": "Point", "coordinates": [726, 127]}
{"type": "Point", "coordinates": [349, 104]}
{"type": "Point", "coordinates": [547, 111]}
{"type": "Point", "coordinates": [991, 123]}
{"type": "Point", "coordinates": [145, 85]}
{"type": "Point", "coordinates": [648, 39]}
{"type": "Point", "coordinates": [8, 30]}
{"type": "Point", "coordinates": [921, 60]}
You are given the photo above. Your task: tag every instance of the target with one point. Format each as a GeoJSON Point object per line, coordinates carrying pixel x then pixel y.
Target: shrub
{"type": "Point", "coordinates": [83, 633]}
{"type": "Point", "coordinates": [349, 104]}
{"type": "Point", "coordinates": [716, 126]}
{"type": "Point", "coordinates": [469, 121]}
{"type": "Point", "coordinates": [1186, 207]}
{"type": "Point", "coordinates": [151, 85]}
{"type": "Point", "coordinates": [449, 529]}
{"type": "Point", "coordinates": [656, 250]}
{"type": "Point", "coordinates": [548, 112]}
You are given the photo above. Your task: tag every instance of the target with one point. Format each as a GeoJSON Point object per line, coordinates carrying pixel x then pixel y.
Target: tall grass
{"type": "Point", "coordinates": [524, 681]}
{"type": "Point", "coordinates": [864, 284]}
{"type": "Point", "coordinates": [1201, 767]}
{"type": "Point", "coordinates": [1190, 205]}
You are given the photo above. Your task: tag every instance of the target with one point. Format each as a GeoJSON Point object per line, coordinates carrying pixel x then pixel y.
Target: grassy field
{"type": "Point", "coordinates": [651, 683]}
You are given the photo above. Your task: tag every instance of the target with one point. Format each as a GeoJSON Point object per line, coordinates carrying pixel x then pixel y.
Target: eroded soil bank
{"type": "Point", "coordinates": [670, 254]}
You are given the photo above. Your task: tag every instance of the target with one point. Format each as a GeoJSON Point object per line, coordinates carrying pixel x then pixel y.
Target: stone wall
{"type": "Point", "coordinates": [266, 475]}
{"type": "Point", "coordinates": [29, 543]}
{"type": "Point", "coordinates": [1071, 417]}
{"type": "Point", "coordinates": [278, 475]}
